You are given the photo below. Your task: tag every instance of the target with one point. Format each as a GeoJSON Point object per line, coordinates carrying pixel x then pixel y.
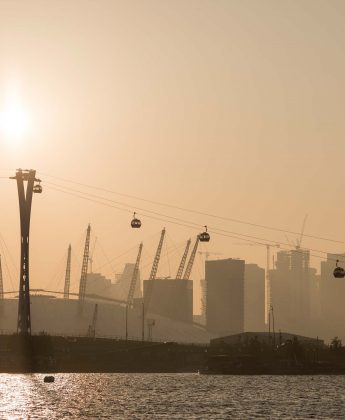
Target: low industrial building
{"type": "Point", "coordinates": [263, 337]}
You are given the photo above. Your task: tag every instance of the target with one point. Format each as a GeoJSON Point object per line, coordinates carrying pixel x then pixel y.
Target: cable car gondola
{"type": "Point", "coordinates": [204, 236]}
{"type": "Point", "coordinates": [37, 189]}
{"type": "Point", "coordinates": [135, 223]}
{"type": "Point", "coordinates": [338, 272]}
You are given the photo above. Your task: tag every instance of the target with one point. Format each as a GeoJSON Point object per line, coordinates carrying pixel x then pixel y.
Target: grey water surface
{"type": "Point", "coordinates": [171, 396]}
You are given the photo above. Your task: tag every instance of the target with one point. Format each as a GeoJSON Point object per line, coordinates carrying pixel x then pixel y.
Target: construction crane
{"type": "Point", "coordinates": [153, 273]}
{"type": "Point", "coordinates": [134, 277]}
{"type": "Point", "coordinates": [299, 240]}
{"type": "Point", "coordinates": [92, 326]}
{"type": "Point", "coordinates": [68, 274]}
{"type": "Point", "coordinates": [183, 261]}
{"type": "Point", "coordinates": [83, 276]}
{"type": "Point", "coordinates": [189, 267]}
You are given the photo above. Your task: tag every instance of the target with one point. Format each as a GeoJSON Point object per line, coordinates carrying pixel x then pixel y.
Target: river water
{"type": "Point", "coordinates": [171, 396]}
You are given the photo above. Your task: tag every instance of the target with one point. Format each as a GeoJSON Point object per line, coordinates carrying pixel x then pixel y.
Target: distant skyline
{"type": "Point", "coordinates": [233, 108]}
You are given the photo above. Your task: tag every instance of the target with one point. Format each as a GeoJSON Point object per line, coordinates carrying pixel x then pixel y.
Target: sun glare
{"type": "Point", "coordinates": [14, 120]}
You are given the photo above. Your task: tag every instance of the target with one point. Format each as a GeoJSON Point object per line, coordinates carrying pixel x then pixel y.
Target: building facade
{"type": "Point", "coordinates": [224, 296]}
{"type": "Point", "coordinates": [254, 298]}
{"type": "Point", "coordinates": [294, 292]}
{"type": "Point", "coordinates": [170, 298]}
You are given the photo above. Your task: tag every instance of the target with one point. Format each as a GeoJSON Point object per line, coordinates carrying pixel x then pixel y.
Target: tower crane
{"type": "Point", "coordinates": [68, 274]}
{"type": "Point", "coordinates": [189, 267]}
{"type": "Point", "coordinates": [153, 273]}
{"type": "Point", "coordinates": [83, 276]}
{"type": "Point", "coordinates": [92, 327]}
{"type": "Point", "coordinates": [183, 261]}
{"type": "Point", "coordinates": [299, 240]}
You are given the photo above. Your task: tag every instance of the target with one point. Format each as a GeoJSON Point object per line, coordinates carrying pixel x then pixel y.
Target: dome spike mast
{"type": "Point", "coordinates": [25, 201]}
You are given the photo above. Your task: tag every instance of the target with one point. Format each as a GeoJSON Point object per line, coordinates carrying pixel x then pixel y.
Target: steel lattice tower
{"type": "Point", "coordinates": [25, 200]}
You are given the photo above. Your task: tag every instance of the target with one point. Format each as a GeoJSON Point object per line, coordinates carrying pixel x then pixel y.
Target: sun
{"type": "Point", "coordinates": [14, 120]}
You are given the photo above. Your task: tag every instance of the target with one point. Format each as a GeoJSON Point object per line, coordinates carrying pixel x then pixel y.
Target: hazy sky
{"type": "Point", "coordinates": [233, 108]}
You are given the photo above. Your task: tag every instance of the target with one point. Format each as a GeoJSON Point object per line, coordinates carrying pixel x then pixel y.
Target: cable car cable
{"type": "Point", "coordinates": [185, 223]}
{"type": "Point", "coordinates": [196, 211]}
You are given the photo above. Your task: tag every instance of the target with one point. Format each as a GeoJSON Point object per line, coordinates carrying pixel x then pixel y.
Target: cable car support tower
{"type": "Point", "coordinates": [25, 201]}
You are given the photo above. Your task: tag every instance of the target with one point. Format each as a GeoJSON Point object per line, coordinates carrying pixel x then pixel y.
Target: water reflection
{"type": "Point", "coordinates": [171, 396]}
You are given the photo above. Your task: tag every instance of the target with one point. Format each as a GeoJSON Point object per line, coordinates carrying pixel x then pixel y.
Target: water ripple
{"type": "Point", "coordinates": [171, 396]}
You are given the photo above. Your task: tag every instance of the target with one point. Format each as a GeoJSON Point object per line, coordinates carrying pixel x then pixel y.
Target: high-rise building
{"type": "Point", "coordinates": [203, 301]}
{"type": "Point", "coordinates": [291, 284]}
{"type": "Point", "coordinates": [171, 298]}
{"type": "Point", "coordinates": [224, 296]}
{"type": "Point", "coordinates": [254, 298]}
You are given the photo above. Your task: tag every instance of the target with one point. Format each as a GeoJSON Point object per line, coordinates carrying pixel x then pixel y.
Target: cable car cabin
{"type": "Point", "coordinates": [37, 189]}
{"type": "Point", "coordinates": [204, 236]}
{"type": "Point", "coordinates": [135, 223]}
{"type": "Point", "coordinates": [339, 273]}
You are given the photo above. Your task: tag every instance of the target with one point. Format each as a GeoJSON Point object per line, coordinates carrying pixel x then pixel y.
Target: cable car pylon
{"type": "Point", "coordinates": [25, 201]}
